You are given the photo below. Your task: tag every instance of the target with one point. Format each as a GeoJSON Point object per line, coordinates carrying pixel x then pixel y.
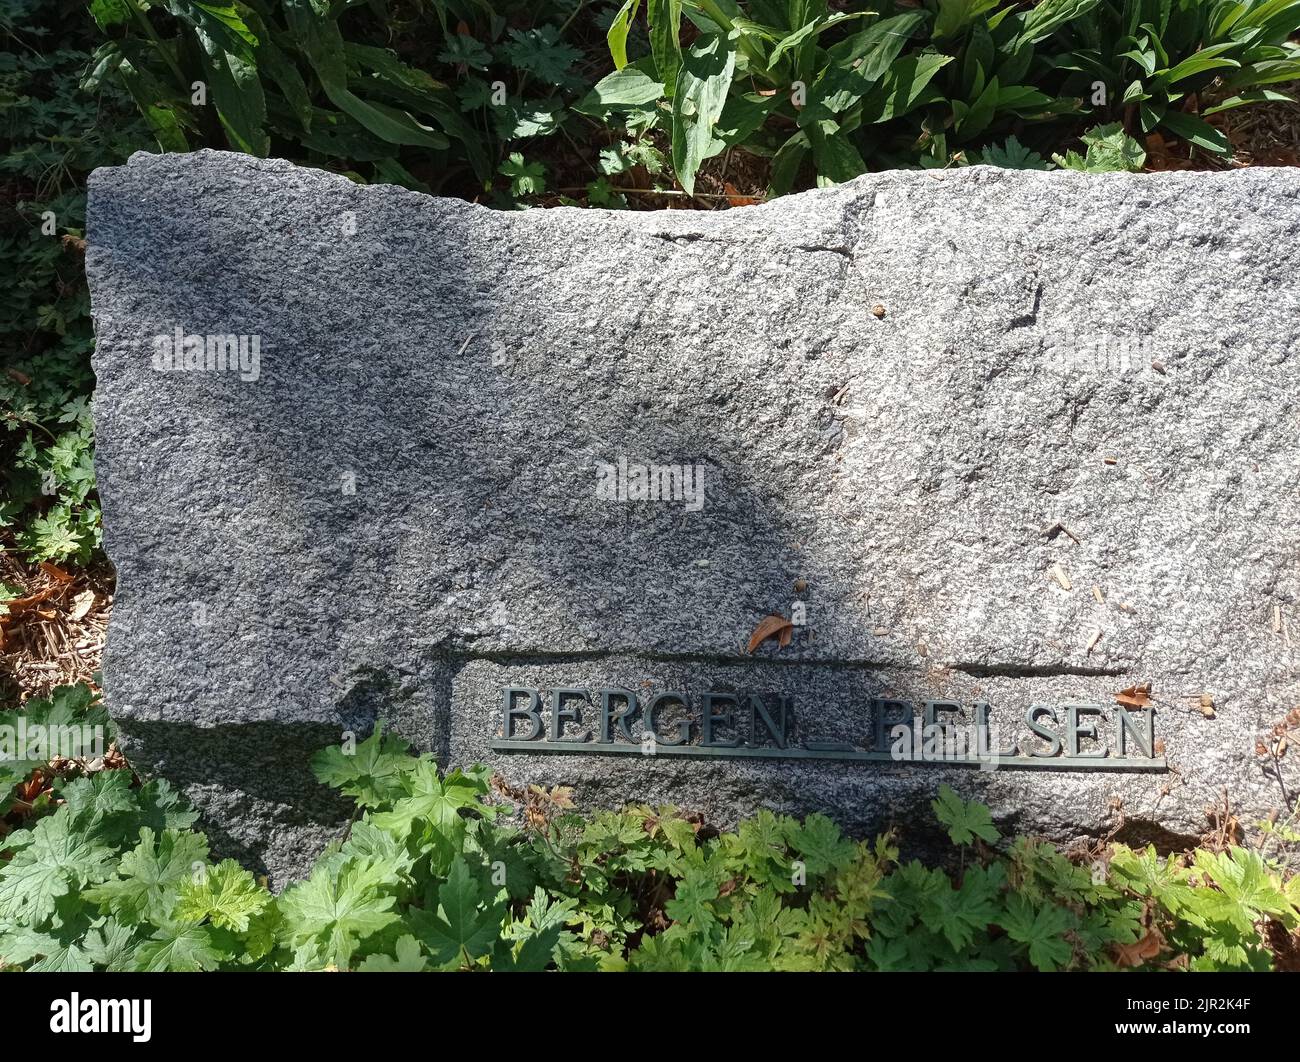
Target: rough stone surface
{"type": "Point", "coordinates": [937, 398]}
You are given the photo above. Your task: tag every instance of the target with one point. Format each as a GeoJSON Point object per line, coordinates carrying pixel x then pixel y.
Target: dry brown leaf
{"type": "Point", "coordinates": [1143, 950]}
{"type": "Point", "coordinates": [1135, 696]}
{"type": "Point", "coordinates": [55, 571]}
{"type": "Point", "coordinates": [736, 198]}
{"type": "Point", "coordinates": [22, 604]}
{"type": "Point", "coordinates": [82, 604]}
{"type": "Point", "coordinates": [771, 626]}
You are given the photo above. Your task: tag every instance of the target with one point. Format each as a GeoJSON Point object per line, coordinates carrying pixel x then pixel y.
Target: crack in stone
{"type": "Point", "coordinates": [844, 252]}
{"type": "Point", "coordinates": [460, 652]}
{"type": "Point", "coordinates": [1014, 671]}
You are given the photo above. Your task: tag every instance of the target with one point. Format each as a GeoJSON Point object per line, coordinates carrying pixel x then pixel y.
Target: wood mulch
{"type": "Point", "coordinates": [53, 635]}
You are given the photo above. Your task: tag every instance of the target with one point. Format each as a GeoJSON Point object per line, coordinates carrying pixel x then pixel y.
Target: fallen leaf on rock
{"type": "Point", "coordinates": [1135, 696]}
{"type": "Point", "coordinates": [771, 626]}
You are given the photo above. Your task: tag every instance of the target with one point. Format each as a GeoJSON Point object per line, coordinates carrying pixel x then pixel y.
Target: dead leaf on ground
{"type": "Point", "coordinates": [771, 627]}
{"type": "Point", "coordinates": [81, 604]}
{"type": "Point", "coordinates": [22, 604]}
{"type": "Point", "coordinates": [1135, 696]}
{"type": "Point", "coordinates": [1140, 952]}
{"type": "Point", "coordinates": [56, 572]}
{"type": "Point", "coordinates": [736, 198]}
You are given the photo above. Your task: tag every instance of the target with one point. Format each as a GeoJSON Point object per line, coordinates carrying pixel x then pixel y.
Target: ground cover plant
{"type": "Point", "coordinates": [457, 871]}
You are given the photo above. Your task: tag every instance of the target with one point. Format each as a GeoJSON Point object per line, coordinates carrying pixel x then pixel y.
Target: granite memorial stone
{"type": "Point", "coordinates": [995, 447]}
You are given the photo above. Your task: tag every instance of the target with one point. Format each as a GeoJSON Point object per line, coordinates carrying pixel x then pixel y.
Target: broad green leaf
{"type": "Point", "coordinates": [633, 85]}
{"type": "Point", "coordinates": [455, 929]}
{"type": "Point", "coordinates": [616, 38]}
{"type": "Point", "coordinates": [964, 821]}
{"type": "Point", "coordinates": [857, 66]}
{"type": "Point", "coordinates": [665, 18]}
{"type": "Point", "coordinates": [179, 948]}
{"type": "Point", "coordinates": [410, 959]}
{"type": "Point", "coordinates": [1256, 96]}
{"type": "Point", "coordinates": [225, 895]}
{"type": "Point", "coordinates": [904, 89]}
{"type": "Point", "coordinates": [236, 92]}
{"type": "Point", "coordinates": [1270, 72]}
{"type": "Point", "coordinates": [50, 860]}
{"type": "Point", "coordinates": [786, 163]}
{"type": "Point", "coordinates": [109, 12]}
{"type": "Point", "coordinates": [1013, 155]}
{"type": "Point", "coordinates": [1195, 131]}
{"type": "Point", "coordinates": [371, 773]}
{"type": "Point", "coordinates": [702, 86]}
{"type": "Point", "coordinates": [1198, 65]}
{"type": "Point", "coordinates": [338, 907]}
{"type": "Point", "coordinates": [834, 156]}
{"type": "Point", "coordinates": [319, 37]}
{"type": "Point", "coordinates": [111, 945]}
{"type": "Point", "coordinates": [145, 886]}
{"type": "Point", "coordinates": [1042, 930]}
{"type": "Point", "coordinates": [808, 32]}
{"type": "Point", "coordinates": [1046, 17]}
{"type": "Point", "coordinates": [974, 120]}
{"type": "Point", "coordinates": [955, 15]}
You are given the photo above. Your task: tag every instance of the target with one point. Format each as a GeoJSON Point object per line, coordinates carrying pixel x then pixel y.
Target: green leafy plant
{"type": "Point", "coordinates": [458, 871]}
{"type": "Point", "coordinates": [57, 133]}
{"type": "Point", "coordinates": [892, 84]}
{"type": "Point", "coordinates": [320, 82]}
{"type": "Point", "coordinates": [1169, 64]}
{"type": "Point", "coordinates": [1109, 150]}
